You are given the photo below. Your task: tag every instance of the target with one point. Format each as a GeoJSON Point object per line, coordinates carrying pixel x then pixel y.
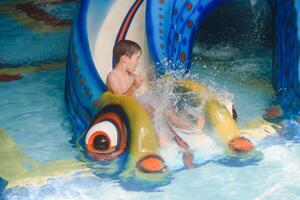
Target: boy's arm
{"type": "Point", "coordinates": [137, 82]}
{"type": "Point", "coordinates": [114, 86]}
{"type": "Point", "coordinates": [173, 118]}
{"type": "Point", "coordinates": [180, 122]}
{"type": "Point", "coordinates": [131, 90]}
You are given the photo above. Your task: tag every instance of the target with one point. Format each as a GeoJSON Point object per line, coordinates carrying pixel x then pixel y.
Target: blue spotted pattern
{"type": "Point", "coordinates": [83, 83]}
{"type": "Point", "coordinates": [172, 25]}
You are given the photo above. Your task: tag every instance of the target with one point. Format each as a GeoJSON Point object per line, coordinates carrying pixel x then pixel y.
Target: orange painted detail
{"type": "Point", "coordinates": [112, 152]}
{"type": "Point", "coordinates": [96, 102]}
{"type": "Point", "coordinates": [115, 151]}
{"type": "Point", "coordinates": [298, 120]}
{"type": "Point", "coordinates": [160, 30]}
{"type": "Point", "coordinates": [8, 78]}
{"type": "Point", "coordinates": [241, 144]}
{"type": "Point", "coordinates": [151, 164]}
{"type": "Point", "coordinates": [82, 82]}
{"type": "Point", "coordinates": [189, 6]}
{"type": "Point", "coordinates": [161, 16]}
{"type": "Point", "coordinates": [161, 1]}
{"type": "Point", "coordinates": [182, 57]}
{"type": "Point", "coordinates": [101, 156]}
{"type": "Point", "coordinates": [274, 111]}
{"type": "Point", "coordinates": [128, 19]}
{"type": "Point", "coordinates": [190, 24]}
{"type": "Point", "coordinates": [87, 91]}
{"type": "Point", "coordinates": [109, 115]}
{"type": "Point", "coordinates": [90, 144]}
{"type": "Point", "coordinates": [161, 46]}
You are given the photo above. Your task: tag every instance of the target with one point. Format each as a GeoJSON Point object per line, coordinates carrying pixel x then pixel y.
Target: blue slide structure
{"type": "Point", "coordinates": [114, 130]}
{"type": "Point", "coordinates": [171, 27]}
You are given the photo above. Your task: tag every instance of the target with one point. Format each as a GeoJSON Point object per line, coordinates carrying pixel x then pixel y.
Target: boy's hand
{"type": "Point", "coordinates": [141, 76]}
{"type": "Point", "coordinates": [138, 80]}
{"type": "Point", "coordinates": [200, 122]}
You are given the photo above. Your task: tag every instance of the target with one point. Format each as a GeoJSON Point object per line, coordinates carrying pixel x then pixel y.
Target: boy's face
{"type": "Point", "coordinates": [133, 62]}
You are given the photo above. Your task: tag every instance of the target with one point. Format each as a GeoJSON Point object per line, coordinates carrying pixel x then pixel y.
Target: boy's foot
{"type": "Point", "coordinates": [241, 145]}
{"type": "Point", "coordinates": [149, 110]}
{"type": "Point", "coordinates": [200, 122]}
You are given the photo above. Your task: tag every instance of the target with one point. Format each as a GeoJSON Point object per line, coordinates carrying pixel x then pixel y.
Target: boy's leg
{"type": "Point", "coordinates": [200, 122]}
{"type": "Point", "coordinates": [149, 110]}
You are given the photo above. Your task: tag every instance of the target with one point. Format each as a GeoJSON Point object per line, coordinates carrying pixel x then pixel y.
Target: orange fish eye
{"type": "Point", "coordinates": [100, 142]}
{"type": "Point", "coordinates": [106, 139]}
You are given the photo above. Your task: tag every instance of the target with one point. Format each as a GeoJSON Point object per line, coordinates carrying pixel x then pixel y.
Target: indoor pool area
{"type": "Point", "coordinates": [54, 59]}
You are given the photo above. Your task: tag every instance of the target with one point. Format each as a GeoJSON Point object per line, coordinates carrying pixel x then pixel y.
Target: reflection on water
{"type": "Point", "coordinates": [34, 32]}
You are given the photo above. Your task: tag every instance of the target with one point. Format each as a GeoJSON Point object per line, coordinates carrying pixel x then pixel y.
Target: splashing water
{"type": "Point", "coordinates": [259, 12]}
{"type": "Point", "coordinates": [253, 2]}
{"type": "Point", "coordinates": [163, 97]}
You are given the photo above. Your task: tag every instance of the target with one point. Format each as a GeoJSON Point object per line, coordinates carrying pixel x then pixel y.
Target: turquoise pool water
{"type": "Point", "coordinates": [33, 113]}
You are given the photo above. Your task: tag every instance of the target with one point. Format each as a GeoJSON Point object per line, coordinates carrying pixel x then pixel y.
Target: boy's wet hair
{"type": "Point", "coordinates": [125, 47]}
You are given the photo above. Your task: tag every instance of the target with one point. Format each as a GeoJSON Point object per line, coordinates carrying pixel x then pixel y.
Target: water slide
{"type": "Point", "coordinates": [171, 27]}
{"type": "Point", "coordinates": [165, 29]}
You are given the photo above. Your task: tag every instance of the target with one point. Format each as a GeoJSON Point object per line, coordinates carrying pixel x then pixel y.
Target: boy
{"type": "Point", "coordinates": [122, 80]}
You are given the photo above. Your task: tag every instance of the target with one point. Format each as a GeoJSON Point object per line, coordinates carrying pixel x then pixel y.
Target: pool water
{"type": "Point", "coordinates": [35, 132]}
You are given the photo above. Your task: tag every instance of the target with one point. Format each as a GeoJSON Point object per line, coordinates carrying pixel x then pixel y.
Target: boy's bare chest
{"type": "Point", "coordinates": [125, 82]}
